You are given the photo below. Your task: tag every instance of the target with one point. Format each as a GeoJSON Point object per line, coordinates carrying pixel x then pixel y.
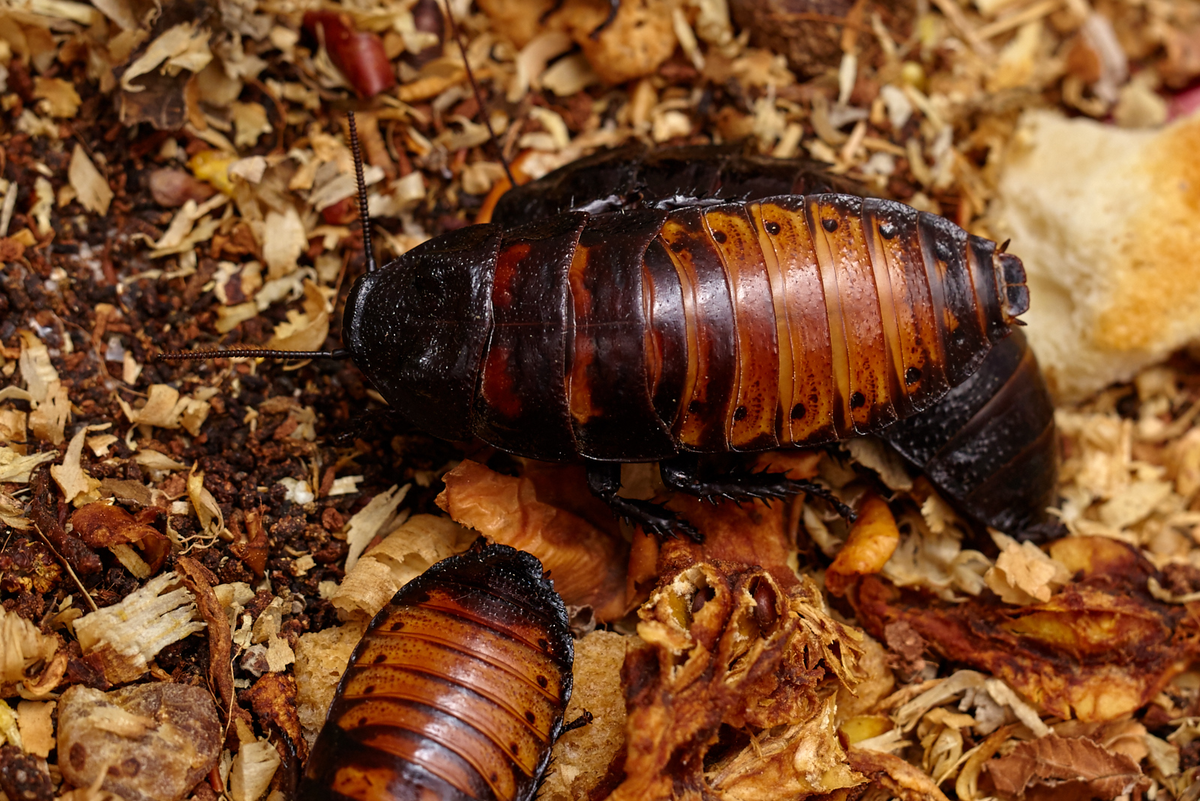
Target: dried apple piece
{"type": "Point", "coordinates": [1098, 649]}
{"type": "Point", "coordinates": [741, 674]}
{"type": "Point", "coordinates": [872, 541]}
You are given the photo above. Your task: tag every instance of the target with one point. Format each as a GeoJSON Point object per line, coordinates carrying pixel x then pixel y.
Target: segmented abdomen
{"type": "Point", "coordinates": [792, 320]}
{"type": "Point", "coordinates": [457, 690]}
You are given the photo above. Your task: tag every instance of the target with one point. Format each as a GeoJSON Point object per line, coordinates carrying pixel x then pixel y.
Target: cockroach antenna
{"type": "Point", "coordinates": [364, 217]}
{"type": "Point", "coordinates": [270, 353]}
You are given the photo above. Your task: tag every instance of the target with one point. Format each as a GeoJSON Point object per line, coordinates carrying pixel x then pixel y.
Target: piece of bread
{"type": "Point", "coordinates": [1107, 222]}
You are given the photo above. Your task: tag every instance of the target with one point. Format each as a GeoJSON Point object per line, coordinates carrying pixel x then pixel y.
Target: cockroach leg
{"type": "Point", "coordinates": [682, 474]}
{"type": "Point", "coordinates": [604, 480]}
{"type": "Point", "coordinates": [584, 719]}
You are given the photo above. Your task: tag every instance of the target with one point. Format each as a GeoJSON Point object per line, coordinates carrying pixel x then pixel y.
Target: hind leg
{"type": "Point", "coordinates": [682, 474]}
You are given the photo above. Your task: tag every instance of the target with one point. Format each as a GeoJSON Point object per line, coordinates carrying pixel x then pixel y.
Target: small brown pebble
{"type": "Point", "coordinates": [23, 777]}
{"type": "Point", "coordinates": [172, 187]}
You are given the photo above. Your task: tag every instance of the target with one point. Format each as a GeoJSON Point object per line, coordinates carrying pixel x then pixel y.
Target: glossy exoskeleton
{"type": "Point", "coordinates": [456, 691]}
{"type": "Point", "coordinates": [989, 444]}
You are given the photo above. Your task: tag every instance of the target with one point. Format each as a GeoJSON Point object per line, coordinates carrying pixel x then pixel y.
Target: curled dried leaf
{"type": "Point", "coordinates": [586, 563]}
{"type": "Point", "coordinates": [872, 541]}
{"type": "Point", "coordinates": [1057, 766]}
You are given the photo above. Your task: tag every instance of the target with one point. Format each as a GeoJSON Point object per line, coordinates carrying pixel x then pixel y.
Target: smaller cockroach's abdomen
{"type": "Point", "coordinates": [457, 690]}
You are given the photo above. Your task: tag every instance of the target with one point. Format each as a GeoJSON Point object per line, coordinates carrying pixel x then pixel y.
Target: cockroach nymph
{"type": "Point", "coordinates": [457, 690]}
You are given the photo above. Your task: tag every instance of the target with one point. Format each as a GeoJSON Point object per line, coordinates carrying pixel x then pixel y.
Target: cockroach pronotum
{"type": "Point", "coordinates": [457, 690]}
{"type": "Point", "coordinates": [668, 327]}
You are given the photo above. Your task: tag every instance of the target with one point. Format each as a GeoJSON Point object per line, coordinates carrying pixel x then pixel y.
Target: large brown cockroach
{"type": "Point", "coordinates": [456, 691]}
{"type": "Point", "coordinates": [650, 314]}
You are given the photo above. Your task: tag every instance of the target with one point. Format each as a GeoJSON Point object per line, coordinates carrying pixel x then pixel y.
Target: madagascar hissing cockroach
{"type": "Point", "coordinates": [658, 330]}
{"type": "Point", "coordinates": [457, 690]}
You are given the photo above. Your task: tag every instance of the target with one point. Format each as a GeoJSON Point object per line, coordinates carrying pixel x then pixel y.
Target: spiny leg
{"type": "Point", "coordinates": [682, 474]}
{"type": "Point", "coordinates": [604, 480]}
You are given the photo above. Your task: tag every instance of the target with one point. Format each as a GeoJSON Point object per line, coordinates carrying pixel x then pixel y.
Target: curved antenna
{"type": "Point", "coordinates": [487, 120]}
{"type": "Point", "coordinates": [364, 218]}
{"type": "Point", "coordinates": [248, 353]}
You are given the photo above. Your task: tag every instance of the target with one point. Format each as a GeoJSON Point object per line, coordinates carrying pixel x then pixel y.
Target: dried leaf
{"type": "Point", "coordinates": [37, 371]}
{"type": "Point", "coordinates": [1066, 768]}
{"type": "Point", "coordinates": [90, 186]}
{"type": "Point", "coordinates": [77, 486]}
{"type": "Point", "coordinates": [23, 647]}
{"type": "Point", "coordinates": [61, 99]}
{"type": "Point", "coordinates": [16, 468]}
{"type": "Point", "coordinates": [405, 553]}
{"type": "Point", "coordinates": [212, 521]}
{"type": "Point", "coordinates": [252, 770]}
{"type": "Point", "coordinates": [307, 330]}
{"type": "Point", "coordinates": [182, 46]}
{"type": "Point", "coordinates": [283, 240]}
{"type": "Point", "coordinates": [1023, 574]}
{"type": "Point", "coordinates": [49, 420]}
{"type": "Point", "coordinates": [370, 520]}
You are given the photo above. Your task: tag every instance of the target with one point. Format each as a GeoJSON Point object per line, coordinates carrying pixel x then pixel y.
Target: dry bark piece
{"type": "Point", "coordinates": [151, 742]}
{"type": "Point", "coordinates": [1066, 768]}
{"type": "Point", "coordinates": [200, 581]}
{"type": "Point", "coordinates": [1099, 649]}
{"type": "Point", "coordinates": [728, 646]}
